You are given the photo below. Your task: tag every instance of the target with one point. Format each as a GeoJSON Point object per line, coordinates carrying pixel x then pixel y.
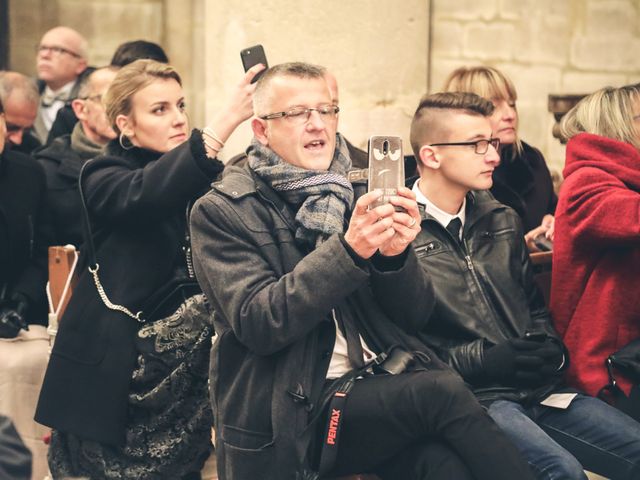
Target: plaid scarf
{"type": "Point", "coordinates": [321, 197]}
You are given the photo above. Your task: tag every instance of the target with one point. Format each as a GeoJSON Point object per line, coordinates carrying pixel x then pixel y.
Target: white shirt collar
{"type": "Point", "coordinates": [440, 215]}
{"type": "Point", "coordinates": [65, 90]}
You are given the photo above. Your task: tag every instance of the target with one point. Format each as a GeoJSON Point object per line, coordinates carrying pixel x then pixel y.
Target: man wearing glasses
{"type": "Point", "coordinates": [490, 322]}
{"type": "Point", "coordinates": [311, 290]}
{"type": "Point", "coordinates": [20, 97]}
{"type": "Point", "coordinates": [63, 158]}
{"type": "Point", "coordinates": [61, 58]}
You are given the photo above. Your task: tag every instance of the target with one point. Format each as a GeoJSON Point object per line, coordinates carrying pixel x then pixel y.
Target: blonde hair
{"type": "Point", "coordinates": [489, 83]}
{"type": "Point", "coordinates": [131, 79]}
{"type": "Point", "coordinates": [608, 112]}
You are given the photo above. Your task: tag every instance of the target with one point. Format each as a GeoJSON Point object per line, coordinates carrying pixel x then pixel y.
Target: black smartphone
{"type": "Point", "coordinates": [252, 56]}
{"type": "Point", "coordinates": [536, 336]}
{"type": "Point", "coordinates": [386, 166]}
{"type": "Point", "coordinates": [543, 243]}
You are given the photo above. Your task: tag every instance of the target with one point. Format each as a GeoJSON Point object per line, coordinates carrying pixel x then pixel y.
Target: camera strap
{"type": "Point", "coordinates": [331, 436]}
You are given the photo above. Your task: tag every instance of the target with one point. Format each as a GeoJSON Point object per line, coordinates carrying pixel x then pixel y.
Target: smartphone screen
{"type": "Point", "coordinates": [386, 166]}
{"type": "Point", "coordinates": [252, 56]}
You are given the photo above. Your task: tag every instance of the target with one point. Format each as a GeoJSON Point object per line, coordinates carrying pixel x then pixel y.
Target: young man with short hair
{"type": "Point", "coordinates": [489, 321]}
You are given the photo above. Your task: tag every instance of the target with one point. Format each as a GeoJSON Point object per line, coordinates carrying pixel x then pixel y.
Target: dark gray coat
{"type": "Point", "coordinates": [275, 335]}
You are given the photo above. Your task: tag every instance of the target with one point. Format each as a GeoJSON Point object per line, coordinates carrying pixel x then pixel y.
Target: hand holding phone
{"type": "Point", "coordinates": [252, 56]}
{"type": "Point", "coordinates": [386, 167]}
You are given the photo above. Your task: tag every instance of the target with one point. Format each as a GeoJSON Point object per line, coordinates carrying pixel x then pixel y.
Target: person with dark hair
{"type": "Point", "coordinates": [126, 386]}
{"type": "Point", "coordinates": [131, 51]}
{"type": "Point", "coordinates": [313, 289]}
{"type": "Point", "coordinates": [490, 322]}
{"type": "Point", "coordinates": [15, 457]}
{"type": "Point", "coordinates": [522, 179]}
{"type": "Point", "coordinates": [24, 238]}
{"type": "Point", "coordinates": [20, 97]}
{"type": "Point", "coordinates": [23, 246]}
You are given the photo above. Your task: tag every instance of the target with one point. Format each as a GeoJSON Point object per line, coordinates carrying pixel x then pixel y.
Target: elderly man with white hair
{"type": "Point", "coordinates": [61, 60]}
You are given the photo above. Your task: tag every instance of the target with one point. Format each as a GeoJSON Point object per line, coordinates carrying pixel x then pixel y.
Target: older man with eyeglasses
{"type": "Point", "coordinates": [63, 158]}
{"type": "Point", "coordinates": [61, 59]}
{"type": "Point", "coordinates": [316, 293]}
{"type": "Point", "coordinates": [20, 97]}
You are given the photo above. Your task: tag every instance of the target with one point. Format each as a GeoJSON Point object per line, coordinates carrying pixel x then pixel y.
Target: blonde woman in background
{"type": "Point", "coordinates": [522, 180]}
{"type": "Point", "coordinates": [127, 393]}
{"type": "Point", "coordinates": [596, 260]}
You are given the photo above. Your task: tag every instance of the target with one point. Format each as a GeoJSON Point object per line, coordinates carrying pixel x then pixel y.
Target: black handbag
{"type": "Point", "coordinates": [626, 361]}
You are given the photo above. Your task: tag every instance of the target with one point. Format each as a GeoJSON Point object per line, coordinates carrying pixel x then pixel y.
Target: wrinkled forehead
{"type": "Point", "coordinates": [61, 38]}
{"type": "Point", "coordinates": [287, 91]}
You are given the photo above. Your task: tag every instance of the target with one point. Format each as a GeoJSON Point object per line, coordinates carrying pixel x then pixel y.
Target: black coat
{"type": "Point", "coordinates": [62, 167]}
{"type": "Point", "coordinates": [273, 300]}
{"type": "Point", "coordinates": [138, 202]}
{"type": "Point", "coordinates": [524, 184]}
{"type": "Point", "coordinates": [24, 233]}
{"type": "Point", "coordinates": [485, 292]}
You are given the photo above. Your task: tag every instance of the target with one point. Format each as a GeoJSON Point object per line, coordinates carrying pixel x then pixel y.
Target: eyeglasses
{"type": "Point", "coordinates": [57, 51]}
{"type": "Point", "coordinates": [13, 128]}
{"type": "Point", "coordinates": [301, 115]}
{"type": "Point", "coordinates": [480, 146]}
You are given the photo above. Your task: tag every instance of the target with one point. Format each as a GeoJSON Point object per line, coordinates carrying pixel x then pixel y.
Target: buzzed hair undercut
{"type": "Point", "coordinates": [427, 121]}
{"type": "Point", "coordinates": [292, 69]}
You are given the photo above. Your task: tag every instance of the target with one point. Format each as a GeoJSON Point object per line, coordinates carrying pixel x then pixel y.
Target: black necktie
{"type": "Point", "coordinates": [454, 228]}
{"type": "Point", "coordinates": [350, 330]}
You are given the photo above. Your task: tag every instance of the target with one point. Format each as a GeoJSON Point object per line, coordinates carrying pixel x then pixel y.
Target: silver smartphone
{"type": "Point", "coordinates": [386, 166]}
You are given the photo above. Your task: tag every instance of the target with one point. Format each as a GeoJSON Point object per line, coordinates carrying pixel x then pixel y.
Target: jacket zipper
{"type": "Point", "coordinates": [478, 282]}
{"type": "Point", "coordinates": [186, 248]}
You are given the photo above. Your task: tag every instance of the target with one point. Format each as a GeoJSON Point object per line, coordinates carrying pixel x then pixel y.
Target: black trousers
{"type": "Point", "coordinates": [423, 425]}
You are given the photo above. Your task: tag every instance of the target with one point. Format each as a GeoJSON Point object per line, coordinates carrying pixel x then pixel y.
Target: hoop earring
{"type": "Point", "coordinates": [121, 139]}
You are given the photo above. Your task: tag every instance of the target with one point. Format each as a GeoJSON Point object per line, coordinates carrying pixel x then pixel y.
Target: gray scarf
{"type": "Point", "coordinates": [81, 144]}
{"type": "Point", "coordinates": [321, 197]}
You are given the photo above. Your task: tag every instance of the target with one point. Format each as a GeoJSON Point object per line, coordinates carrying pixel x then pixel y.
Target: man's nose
{"type": "Point", "coordinates": [16, 137]}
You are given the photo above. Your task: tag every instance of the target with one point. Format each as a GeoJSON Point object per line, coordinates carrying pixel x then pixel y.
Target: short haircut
{"type": "Point", "coordinates": [131, 79]}
{"type": "Point", "coordinates": [84, 89]}
{"type": "Point", "coordinates": [427, 118]}
{"type": "Point", "coordinates": [607, 112]}
{"type": "Point", "coordinates": [293, 69]}
{"type": "Point", "coordinates": [488, 82]}
{"type": "Point", "coordinates": [129, 52]}
{"type": "Point", "coordinates": [10, 81]}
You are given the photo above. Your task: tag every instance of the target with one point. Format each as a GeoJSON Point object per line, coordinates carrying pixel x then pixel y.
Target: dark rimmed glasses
{"type": "Point", "coordinates": [480, 146]}
{"type": "Point", "coordinates": [55, 50]}
{"type": "Point", "coordinates": [301, 115]}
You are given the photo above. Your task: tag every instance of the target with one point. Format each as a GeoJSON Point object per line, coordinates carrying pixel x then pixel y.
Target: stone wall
{"type": "Point", "coordinates": [378, 50]}
{"type": "Point", "coordinates": [385, 54]}
{"type": "Point", "coordinates": [545, 46]}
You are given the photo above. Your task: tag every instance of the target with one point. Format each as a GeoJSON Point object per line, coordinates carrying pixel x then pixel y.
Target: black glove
{"type": "Point", "coordinates": [519, 361]}
{"type": "Point", "coordinates": [12, 316]}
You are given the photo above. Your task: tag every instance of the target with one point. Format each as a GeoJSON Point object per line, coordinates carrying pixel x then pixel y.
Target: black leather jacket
{"type": "Point", "coordinates": [485, 292]}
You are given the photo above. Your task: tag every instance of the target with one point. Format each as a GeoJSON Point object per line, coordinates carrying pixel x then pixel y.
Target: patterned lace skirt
{"type": "Point", "coordinates": [169, 426]}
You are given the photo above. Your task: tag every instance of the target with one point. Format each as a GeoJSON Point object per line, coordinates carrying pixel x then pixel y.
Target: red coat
{"type": "Point", "coordinates": [595, 295]}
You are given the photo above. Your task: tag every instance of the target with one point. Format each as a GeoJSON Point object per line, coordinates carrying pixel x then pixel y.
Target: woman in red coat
{"type": "Point", "coordinates": [595, 299]}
